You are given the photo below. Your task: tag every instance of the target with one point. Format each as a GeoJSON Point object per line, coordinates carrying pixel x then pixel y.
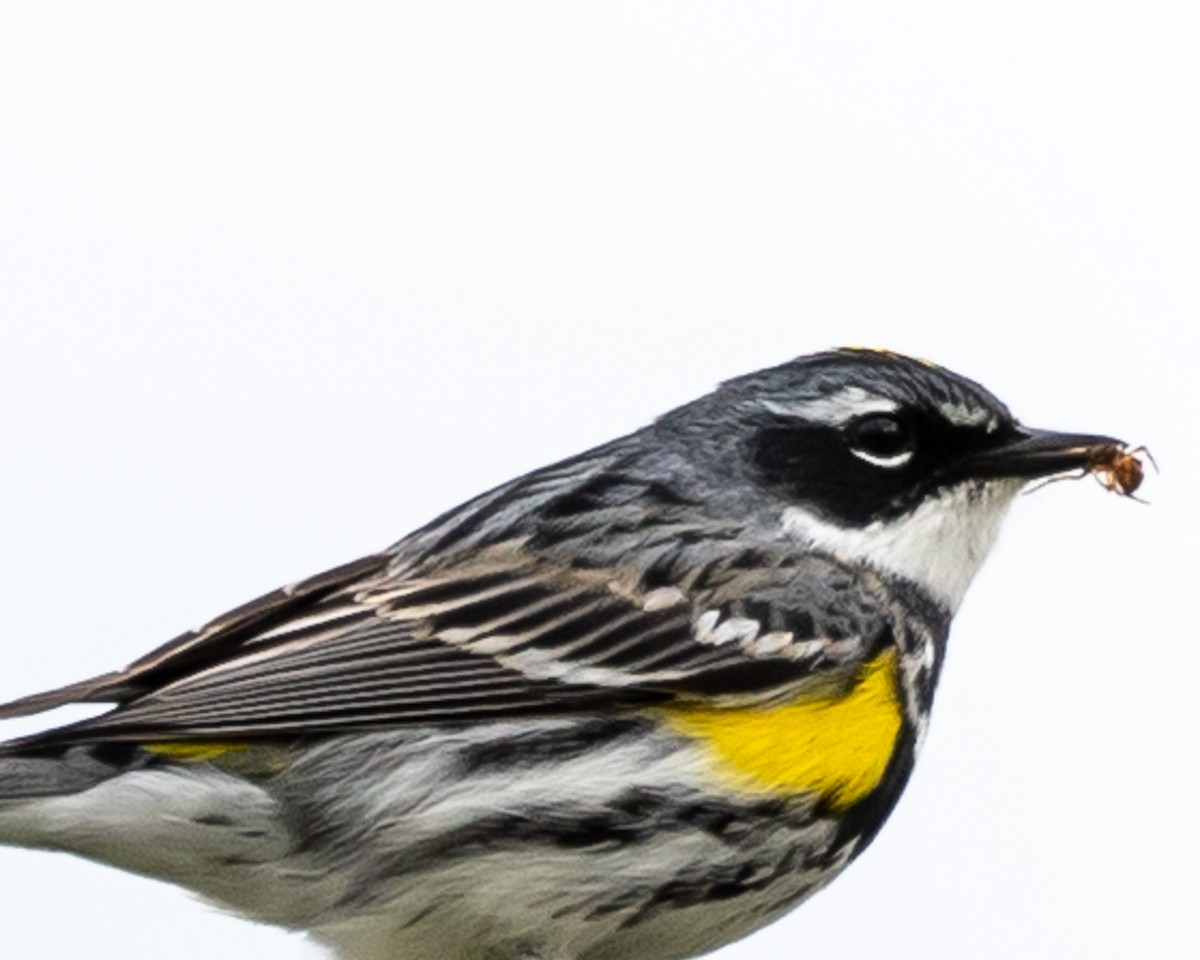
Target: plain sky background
{"type": "Point", "coordinates": [280, 281]}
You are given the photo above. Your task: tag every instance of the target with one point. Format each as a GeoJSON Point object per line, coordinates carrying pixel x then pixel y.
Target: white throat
{"type": "Point", "coordinates": [940, 545]}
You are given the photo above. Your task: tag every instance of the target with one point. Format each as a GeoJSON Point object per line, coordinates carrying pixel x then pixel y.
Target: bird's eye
{"type": "Point", "coordinates": [882, 440]}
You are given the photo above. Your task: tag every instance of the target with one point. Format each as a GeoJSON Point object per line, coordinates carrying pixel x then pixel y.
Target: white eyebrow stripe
{"type": "Point", "coordinates": [962, 415]}
{"type": "Point", "coordinates": [836, 409]}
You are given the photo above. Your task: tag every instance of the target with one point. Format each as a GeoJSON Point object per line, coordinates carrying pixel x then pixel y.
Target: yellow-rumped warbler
{"type": "Point", "coordinates": [635, 704]}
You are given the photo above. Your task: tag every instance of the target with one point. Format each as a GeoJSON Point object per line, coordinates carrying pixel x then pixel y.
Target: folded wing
{"type": "Point", "coordinates": [496, 634]}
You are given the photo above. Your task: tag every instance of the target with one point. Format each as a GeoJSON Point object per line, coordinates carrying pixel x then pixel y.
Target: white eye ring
{"type": "Point", "coordinates": [881, 440]}
{"type": "Point", "coordinates": [895, 460]}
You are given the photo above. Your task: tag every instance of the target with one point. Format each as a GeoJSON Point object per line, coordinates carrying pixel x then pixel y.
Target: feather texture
{"type": "Point", "coordinates": [502, 632]}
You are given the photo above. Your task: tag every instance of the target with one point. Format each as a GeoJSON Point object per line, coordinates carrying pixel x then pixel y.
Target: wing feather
{"type": "Point", "coordinates": [499, 633]}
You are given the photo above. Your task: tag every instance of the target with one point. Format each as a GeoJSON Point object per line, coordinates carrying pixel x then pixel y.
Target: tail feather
{"type": "Point", "coordinates": [191, 824]}
{"type": "Point", "coordinates": [95, 690]}
{"type": "Point", "coordinates": [56, 774]}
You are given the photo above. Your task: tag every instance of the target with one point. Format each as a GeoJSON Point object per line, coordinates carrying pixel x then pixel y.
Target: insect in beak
{"type": "Point", "coordinates": [1119, 468]}
{"type": "Point", "coordinates": [1116, 466]}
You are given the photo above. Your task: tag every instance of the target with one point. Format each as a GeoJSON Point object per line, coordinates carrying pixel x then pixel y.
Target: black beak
{"type": "Point", "coordinates": [1039, 453]}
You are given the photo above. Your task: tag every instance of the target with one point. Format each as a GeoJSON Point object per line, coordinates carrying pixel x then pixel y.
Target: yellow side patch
{"type": "Point", "coordinates": [836, 746]}
{"type": "Point", "coordinates": [198, 751]}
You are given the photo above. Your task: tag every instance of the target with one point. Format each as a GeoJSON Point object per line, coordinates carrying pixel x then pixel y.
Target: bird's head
{"type": "Point", "coordinates": [884, 460]}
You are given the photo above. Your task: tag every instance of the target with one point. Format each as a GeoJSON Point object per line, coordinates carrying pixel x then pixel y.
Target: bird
{"type": "Point", "coordinates": [635, 704]}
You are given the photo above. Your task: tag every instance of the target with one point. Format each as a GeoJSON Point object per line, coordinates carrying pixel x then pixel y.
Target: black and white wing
{"type": "Point", "coordinates": [501, 632]}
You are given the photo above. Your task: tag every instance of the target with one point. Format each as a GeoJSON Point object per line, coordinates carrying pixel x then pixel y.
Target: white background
{"type": "Point", "coordinates": [278, 282]}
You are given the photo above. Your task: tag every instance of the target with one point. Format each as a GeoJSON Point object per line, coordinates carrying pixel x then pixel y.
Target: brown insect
{"type": "Point", "coordinates": [1119, 468]}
